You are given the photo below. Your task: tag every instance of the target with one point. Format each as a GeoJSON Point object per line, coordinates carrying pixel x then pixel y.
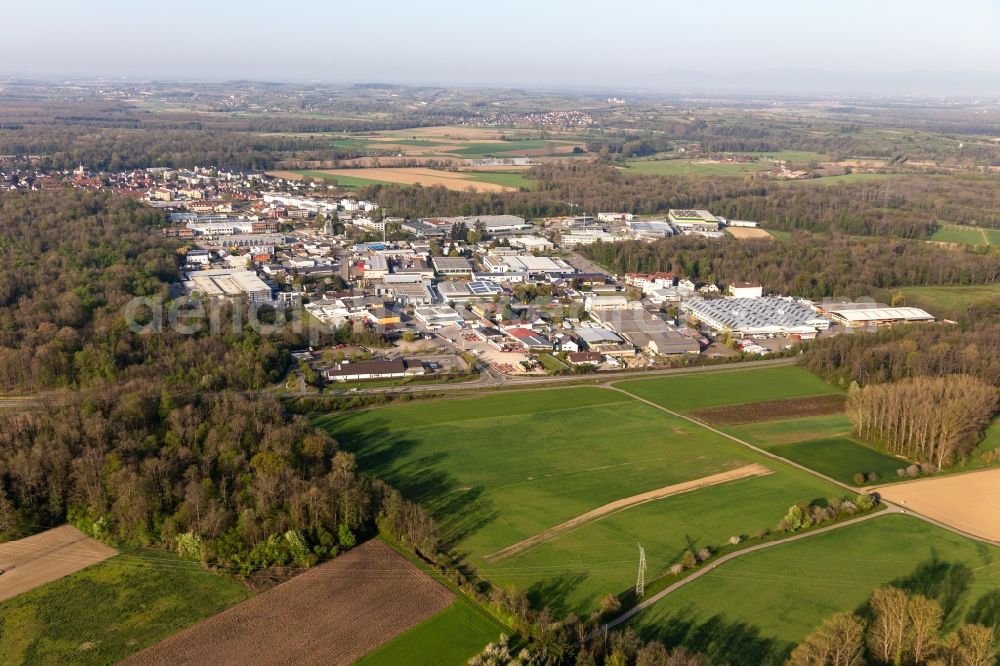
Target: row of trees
{"type": "Point", "coordinates": [936, 419]}
{"type": "Point", "coordinates": [900, 629]}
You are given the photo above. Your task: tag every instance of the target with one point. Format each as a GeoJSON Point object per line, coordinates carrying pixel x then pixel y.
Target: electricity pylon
{"type": "Point", "coordinates": [640, 583]}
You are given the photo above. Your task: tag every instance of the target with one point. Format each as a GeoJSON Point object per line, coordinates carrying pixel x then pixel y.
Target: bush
{"type": "Point", "coordinates": [689, 559]}
{"type": "Point", "coordinates": [858, 478]}
{"type": "Point", "coordinates": [735, 540]}
{"type": "Point", "coordinates": [912, 470]}
{"type": "Point", "coordinates": [676, 569]}
{"type": "Point", "coordinates": [864, 502]}
{"type": "Point", "coordinates": [872, 477]}
{"type": "Point", "coordinates": [928, 468]}
{"type": "Point", "coordinates": [704, 554]}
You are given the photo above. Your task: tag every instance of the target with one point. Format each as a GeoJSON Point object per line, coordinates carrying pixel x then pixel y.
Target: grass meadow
{"type": "Point", "coordinates": [449, 638]}
{"type": "Point", "coordinates": [754, 609]}
{"type": "Point", "coordinates": [687, 393]}
{"type": "Point", "coordinates": [113, 609]}
{"type": "Point", "coordinates": [498, 469]}
{"type": "Point", "coordinates": [951, 233]}
{"type": "Point", "coordinates": [949, 298]}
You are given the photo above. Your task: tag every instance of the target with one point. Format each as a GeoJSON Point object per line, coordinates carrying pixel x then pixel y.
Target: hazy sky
{"type": "Point", "coordinates": [623, 43]}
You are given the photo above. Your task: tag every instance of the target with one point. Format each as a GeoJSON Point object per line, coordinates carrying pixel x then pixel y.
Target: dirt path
{"type": "Point", "coordinates": [45, 557]}
{"type": "Point", "coordinates": [619, 505]}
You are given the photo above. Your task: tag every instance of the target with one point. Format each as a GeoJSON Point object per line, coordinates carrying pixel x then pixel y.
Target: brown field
{"type": "Point", "coordinates": [744, 233]}
{"type": "Point", "coordinates": [773, 410]}
{"type": "Point", "coordinates": [287, 175]}
{"type": "Point", "coordinates": [451, 179]}
{"type": "Point", "coordinates": [968, 502]}
{"type": "Point", "coordinates": [447, 131]}
{"type": "Point", "coordinates": [334, 613]}
{"type": "Point", "coordinates": [619, 505]}
{"type": "Point", "coordinates": [42, 558]}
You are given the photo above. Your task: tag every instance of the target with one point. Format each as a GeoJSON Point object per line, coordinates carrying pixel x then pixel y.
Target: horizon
{"type": "Point", "coordinates": [895, 48]}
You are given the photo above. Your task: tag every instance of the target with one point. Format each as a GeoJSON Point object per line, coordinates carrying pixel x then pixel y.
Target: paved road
{"type": "Point", "coordinates": [891, 508]}
{"type": "Point", "coordinates": [649, 601]}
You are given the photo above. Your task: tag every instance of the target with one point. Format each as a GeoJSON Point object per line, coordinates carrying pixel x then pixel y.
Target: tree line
{"type": "Point", "coordinates": [809, 266]}
{"type": "Point", "coordinates": [933, 419]}
{"type": "Point", "coordinates": [898, 628]}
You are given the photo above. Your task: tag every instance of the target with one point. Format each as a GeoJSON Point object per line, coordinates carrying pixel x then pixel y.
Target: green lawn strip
{"type": "Point", "coordinates": [841, 458]}
{"type": "Point", "coordinates": [451, 636]}
{"type": "Point", "coordinates": [767, 434]}
{"type": "Point", "coordinates": [506, 178]}
{"type": "Point", "coordinates": [687, 393]}
{"type": "Point", "coordinates": [113, 609]}
{"type": "Point", "coordinates": [752, 610]}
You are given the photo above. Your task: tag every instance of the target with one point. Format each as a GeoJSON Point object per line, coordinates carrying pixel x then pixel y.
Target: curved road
{"type": "Point", "coordinates": [891, 509]}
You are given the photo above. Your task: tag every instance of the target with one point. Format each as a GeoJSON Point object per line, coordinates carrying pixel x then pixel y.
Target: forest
{"type": "Point", "coordinates": [810, 266]}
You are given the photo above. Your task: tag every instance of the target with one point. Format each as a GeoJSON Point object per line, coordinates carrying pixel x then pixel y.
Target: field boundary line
{"type": "Point", "coordinates": [611, 508]}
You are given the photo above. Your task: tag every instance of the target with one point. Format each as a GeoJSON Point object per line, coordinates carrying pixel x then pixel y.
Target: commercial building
{"type": "Point", "coordinates": [533, 265]}
{"type": "Point", "coordinates": [693, 220]}
{"type": "Point", "coordinates": [454, 266]}
{"type": "Point", "coordinates": [530, 340]}
{"type": "Point", "coordinates": [436, 317]}
{"type": "Point", "coordinates": [768, 315]}
{"type": "Point", "coordinates": [745, 290]}
{"type": "Point", "coordinates": [650, 230]}
{"type": "Point", "coordinates": [857, 315]}
{"type": "Point", "coordinates": [364, 370]}
{"type": "Point", "coordinates": [225, 283]}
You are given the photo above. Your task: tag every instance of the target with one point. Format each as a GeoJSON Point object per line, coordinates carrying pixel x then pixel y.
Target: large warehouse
{"type": "Point", "coordinates": [857, 315]}
{"type": "Point", "coordinates": [770, 315]}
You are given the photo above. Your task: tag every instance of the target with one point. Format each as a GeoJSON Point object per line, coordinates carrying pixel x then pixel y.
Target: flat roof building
{"type": "Point", "coordinates": [856, 315]}
{"type": "Point", "coordinates": [459, 266]}
{"type": "Point", "coordinates": [769, 315]}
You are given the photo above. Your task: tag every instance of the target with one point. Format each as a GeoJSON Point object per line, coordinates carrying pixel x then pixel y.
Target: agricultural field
{"type": "Point", "coordinates": [771, 410]}
{"type": "Point", "coordinates": [949, 298]}
{"type": "Point", "coordinates": [556, 510]}
{"type": "Point", "coordinates": [752, 610]}
{"type": "Point", "coordinates": [953, 233]}
{"type": "Point", "coordinates": [841, 458]}
{"type": "Point", "coordinates": [748, 233]}
{"type": "Point", "coordinates": [42, 558]}
{"type": "Point", "coordinates": [453, 180]}
{"type": "Point", "coordinates": [968, 502]}
{"type": "Point", "coordinates": [449, 638]}
{"type": "Point", "coordinates": [334, 613]}
{"type": "Point", "coordinates": [687, 393]}
{"type": "Point", "coordinates": [675, 167]}
{"type": "Point", "coordinates": [110, 610]}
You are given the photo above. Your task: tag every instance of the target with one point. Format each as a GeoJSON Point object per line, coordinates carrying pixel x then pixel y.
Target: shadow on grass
{"type": "Point", "coordinates": [459, 511]}
{"type": "Point", "coordinates": [945, 582]}
{"type": "Point", "coordinates": [722, 641]}
{"type": "Point", "coordinates": [553, 592]}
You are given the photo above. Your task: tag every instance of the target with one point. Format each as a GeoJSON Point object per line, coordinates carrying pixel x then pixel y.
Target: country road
{"type": "Point", "coordinates": [891, 508]}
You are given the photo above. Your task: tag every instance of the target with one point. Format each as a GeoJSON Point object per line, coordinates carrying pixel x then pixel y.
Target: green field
{"type": "Point", "coordinates": [952, 233]}
{"type": "Point", "coordinates": [768, 433]}
{"type": "Point", "coordinates": [686, 393]}
{"type": "Point", "coordinates": [796, 156]}
{"type": "Point", "coordinates": [675, 167]}
{"type": "Point", "coordinates": [753, 609]}
{"type": "Point", "coordinates": [506, 178]}
{"type": "Point", "coordinates": [451, 636]}
{"type": "Point", "coordinates": [345, 181]}
{"type": "Point", "coordinates": [949, 298]}
{"type": "Point", "coordinates": [113, 609]}
{"type": "Point", "coordinates": [840, 458]}
{"type": "Point", "coordinates": [474, 150]}
{"type": "Point", "coordinates": [498, 469]}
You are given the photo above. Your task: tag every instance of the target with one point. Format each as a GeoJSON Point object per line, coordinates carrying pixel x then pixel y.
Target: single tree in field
{"type": "Point", "coordinates": [838, 642]}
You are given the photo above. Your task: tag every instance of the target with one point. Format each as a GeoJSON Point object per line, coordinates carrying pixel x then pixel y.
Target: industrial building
{"type": "Point", "coordinates": [857, 315]}
{"type": "Point", "coordinates": [363, 370]}
{"type": "Point", "coordinates": [454, 266]}
{"type": "Point", "coordinates": [438, 316]}
{"type": "Point", "coordinates": [225, 283]}
{"type": "Point", "coordinates": [769, 315]}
